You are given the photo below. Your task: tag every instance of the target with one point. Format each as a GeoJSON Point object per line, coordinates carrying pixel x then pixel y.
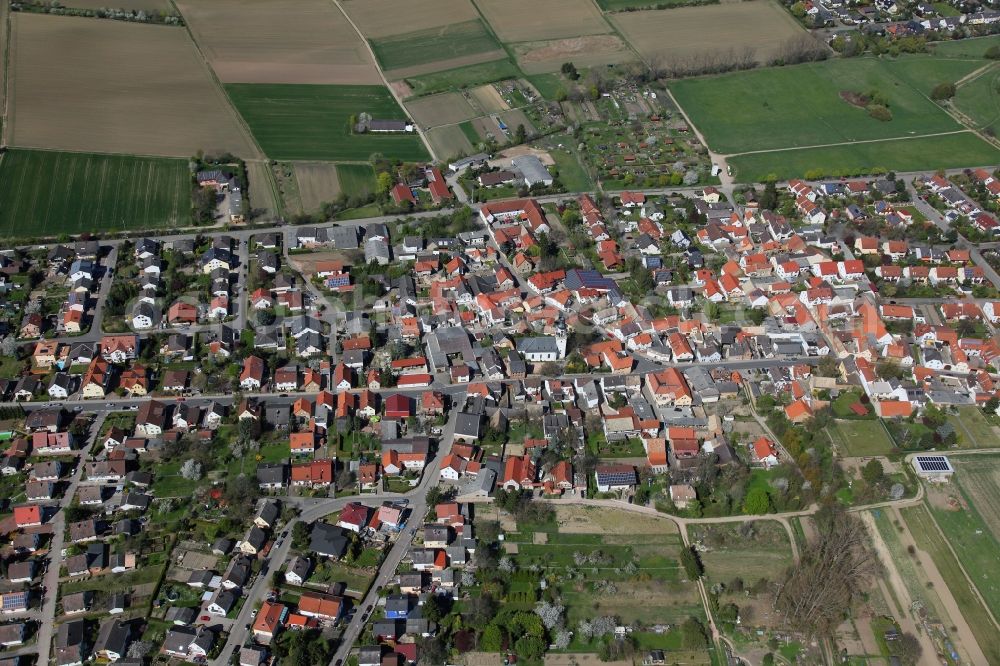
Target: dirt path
{"type": "Point", "coordinates": [902, 615]}
{"type": "Point", "coordinates": [965, 636]}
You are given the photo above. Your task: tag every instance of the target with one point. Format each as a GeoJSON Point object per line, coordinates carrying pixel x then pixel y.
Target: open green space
{"type": "Point", "coordinates": [861, 438]}
{"type": "Point", "coordinates": [470, 133]}
{"type": "Point", "coordinates": [547, 85]}
{"type": "Point", "coordinates": [356, 179]}
{"type": "Point", "coordinates": [907, 566]}
{"type": "Point", "coordinates": [455, 40]}
{"type": "Point", "coordinates": [313, 122]}
{"type": "Point", "coordinates": [950, 151]}
{"type": "Point", "coordinates": [48, 193]}
{"type": "Point", "coordinates": [463, 77]}
{"type": "Point", "coordinates": [930, 540]}
{"type": "Point", "coordinates": [571, 174]}
{"type": "Point", "coordinates": [979, 99]}
{"type": "Point", "coordinates": [964, 48]}
{"type": "Point", "coordinates": [784, 107]}
{"type": "Point", "coordinates": [975, 432]}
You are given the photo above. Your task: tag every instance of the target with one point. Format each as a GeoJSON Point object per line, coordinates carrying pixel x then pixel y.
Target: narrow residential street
{"type": "Point", "coordinates": [51, 580]}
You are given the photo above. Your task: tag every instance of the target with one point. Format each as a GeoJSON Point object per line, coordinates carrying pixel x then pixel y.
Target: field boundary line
{"type": "Point", "coordinates": [385, 81]}
{"type": "Point", "coordinates": [972, 586]}
{"type": "Point", "coordinates": [850, 143]}
{"type": "Point", "coordinates": [6, 36]}
{"type": "Point", "coordinates": [220, 88]}
{"type": "Point", "coordinates": [614, 29]}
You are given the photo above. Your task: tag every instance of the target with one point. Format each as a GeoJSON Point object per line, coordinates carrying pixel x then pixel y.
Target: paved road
{"type": "Point", "coordinates": [51, 580]}
{"type": "Point", "coordinates": [313, 509]}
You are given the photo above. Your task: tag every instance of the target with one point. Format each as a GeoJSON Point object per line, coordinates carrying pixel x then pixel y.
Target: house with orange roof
{"type": "Point", "coordinates": [798, 411]}
{"type": "Point", "coordinates": [894, 409]}
{"type": "Point", "coordinates": [656, 454]}
{"type": "Point", "coordinates": [323, 607]}
{"type": "Point", "coordinates": [669, 387]}
{"type": "Point", "coordinates": [518, 472]}
{"type": "Point", "coordinates": [269, 621]}
{"type": "Point", "coordinates": [764, 452]}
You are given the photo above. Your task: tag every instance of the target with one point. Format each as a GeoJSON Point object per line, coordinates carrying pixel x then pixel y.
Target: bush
{"type": "Point", "coordinates": [879, 112]}
{"type": "Point", "coordinates": [993, 53]}
{"type": "Point", "coordinates": [943, 91]}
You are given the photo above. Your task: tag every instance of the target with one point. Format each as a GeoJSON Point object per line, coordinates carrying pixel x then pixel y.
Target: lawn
{"type": "Point", "coordinates": [861, 438]}
{"type": "Point", "coordinates": [571, 174]}
{"type": "Point", "coordinates": [975, 431]}
{"type": "Point", "coordinates": [168, 481]}
{"type": "Point", "coordinates": [305, 122]}
{"type": "Point", "coordinates": [456, 40]}
{"type": "Point", "coordinates": [51, 193]}
{"type": "Point", "coordinates": [357, 580]}
{"type": "Point", "coordinates": [965, 48]}
{"type": "Point", "coordinates": [356, 179]}
{"type": "Point", "coordinates": [463, 77]}
{"type": "Point", "coordinates": [950, 151]}
{"type": "Point", "coordinates": [784, 107]}
{"type": "Point", "coordinates": [929, 539]}
{"type": "Point", "coordinates": [978, 98]}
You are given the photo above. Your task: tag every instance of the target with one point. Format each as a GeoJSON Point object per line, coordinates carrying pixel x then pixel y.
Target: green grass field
{"type": "Point", "coordinates": [356, 179]}
{"type": "Point", "coordinates": [951, 151]}
{"type": "Point", "coordinates": [974, 430]}
{"type": "Point", "coordinates": [312, 122]}
{"type": "Point", "coordinates": [784, 107]}
{"type": "Point", "coordinates": [965, 48]}
{"type": "Point", "coordinates": [455, 40]}
{"type": "Point", "coordinates": [861, 438]}
{"type": "Point", "coordinates": [46, 193]}
{"type": "Point", "coordinates": [929, 539]}
{"type": "Point", "coordinates": [463, 77]}
{"type": "Point", "coordinates": [979, 99]}
{"type": "Point", "coordinates": [571, 174]}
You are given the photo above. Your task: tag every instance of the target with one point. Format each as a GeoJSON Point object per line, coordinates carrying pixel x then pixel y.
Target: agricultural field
{"type": "Point", "coordinates": [979, 99]}
{"type": "Point", "coordinates": [381, 18]}
{"type": "Point", "coordinates": [860, 438]}
{"type": "Point", "coordinates": [145, 91]}
{"type": "Point", "coordinates": [950, 151]}
{"type": "Point", "coordinates": [444, 109]}
{"type": "Point", "coordinates": [263, 202]}
{"type": "Point", "coordinates": [51, 193]}
{"type": "Point", "coordinates": [318, 184]}
{"type": "Point", "coordinates": [929, 539]}
{"type": "Point", "coordinates": [356, 179]}
{"type": "Point", "coordinates": [438, 45]}
{"type": "Point", "coordinates": [531, 21]}
{"type": "Point", "coordinates": [760, 552]}
{"type": "Point", "coordinates": [679, 34]}
{"type": "Point", "coordinates": [488, 99]}
{"type": "Point", "coordinates": [312, 123]}
{"type": "Point", "coordinates": [585, 51]}
{"type": "Point", "coordinates": [971, 523]}
{"type": "Point", "coordinates": [975, 432]}
{"type": "Point", "coordinates": [802, 105]}
{"type": "Point", "coordinates": [461, 77]}
{"type": "Point", "coordinates": [451, 140]}
{"type": "Point", "coordinates": [256, 41]}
